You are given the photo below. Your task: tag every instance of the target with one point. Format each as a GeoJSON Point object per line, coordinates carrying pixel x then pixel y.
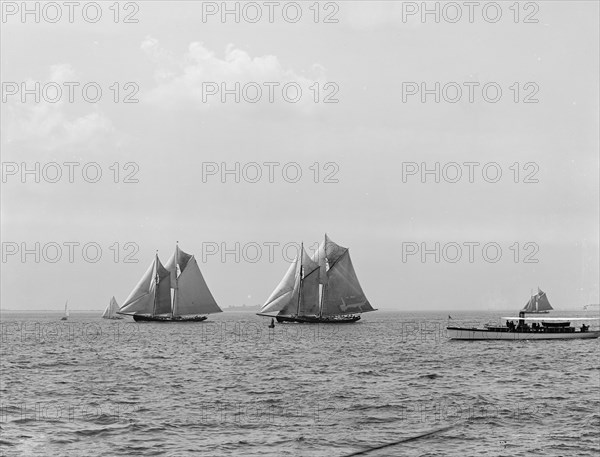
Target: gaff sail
{"type": "Point", "coordinates": [343, 293]}
{"type": "Point", "coordinates": [308, 304]}
{"type": "Point", "coordinates": [538, 303]}
{"type": "Point", "coordinates": [193, 295]}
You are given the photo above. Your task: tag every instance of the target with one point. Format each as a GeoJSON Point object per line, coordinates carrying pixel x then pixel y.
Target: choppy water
{"type": "Point", "coordinates": [231, 386]}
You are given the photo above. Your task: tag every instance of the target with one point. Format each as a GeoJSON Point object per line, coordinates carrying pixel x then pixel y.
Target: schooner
{"type": "Point", "coordinates": [321, 289]}
{"type": "Point", "coordinates": [175, 292]}
{"type": "Point", "coordinates": [537, 304]}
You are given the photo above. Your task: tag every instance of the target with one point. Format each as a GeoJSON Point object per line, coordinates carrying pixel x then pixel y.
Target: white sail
{"type": "Point", "coordinates": [162, 284]}
{"type": "Point", "coordinates": [114, 307]}
{"type": "Point", "coordinates": [285, 296]}
{"type": "Point", "coordinates": [111, 310]}
{"type": "Point", "coordinates": [152, 294]}
{"type": "Point", "coordinates": [343, 293]}
{"type": "Point", "coordinates": [326, 255]}
{"type": "Point", "coordinates": [309, 296]}
{"type": "Point", "coordinates": [192, 295]}
{"type": "Point", "coordinates": [67, 308]}
{"type": "Point", "coordinates": [141, 298]}
{"type": "Point", "coordinates": [178, 259]}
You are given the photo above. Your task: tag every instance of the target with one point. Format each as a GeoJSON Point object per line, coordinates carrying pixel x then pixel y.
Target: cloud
{"type": "Point", "coordinates": [186, 81]}
{"type": "Point", "coordinates": [52, 126]}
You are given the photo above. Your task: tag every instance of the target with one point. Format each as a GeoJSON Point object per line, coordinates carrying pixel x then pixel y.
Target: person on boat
{"type": "Point", "coordinates": [584, 328]}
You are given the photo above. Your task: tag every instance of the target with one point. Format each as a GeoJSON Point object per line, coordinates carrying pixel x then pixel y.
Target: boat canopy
{"type": "Point", "coordinates": [549, 319]}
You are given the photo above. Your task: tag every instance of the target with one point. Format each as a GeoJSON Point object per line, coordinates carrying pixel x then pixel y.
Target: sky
{"type": "Point", "coordinates": [165, 153]}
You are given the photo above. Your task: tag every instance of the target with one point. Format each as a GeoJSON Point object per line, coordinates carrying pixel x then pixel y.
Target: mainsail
{"type": "Point", "coordinates": [308, 304]}
{"type": "Point", "coordinates": [298, 291]}
{"type": "Point", "coordinates": [537, 303]}
{"type": "Point", "coordinates": [342, 293]}
{"type": "Point", "coordinates": [152, 293]}
{"type": "Point", "coordinates": [192, 295]}
{"type": "Point", "coordinates": [111, 310]}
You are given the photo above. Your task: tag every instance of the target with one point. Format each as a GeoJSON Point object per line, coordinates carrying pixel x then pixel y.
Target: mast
{"type": "Point", "coordinates": [301, 254]}
{"type": "Point", "coordinates": [176, 279]}
{"type": "Point", "coordinates": [155, 282]}
{"type": "Point", "coordinates": [324, 268]}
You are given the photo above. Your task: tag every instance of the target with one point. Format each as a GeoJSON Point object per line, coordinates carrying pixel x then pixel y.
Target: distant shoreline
{"type": "Point", "coordinates": [255, 309]}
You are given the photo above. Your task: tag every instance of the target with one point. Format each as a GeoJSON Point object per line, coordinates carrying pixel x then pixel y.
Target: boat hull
{"type": "Point", "coordinates": [458, 333]}
{"type": "Point", "coordinates": [141, 318]}
{"type": "Point", "coordinates": [317, 320]}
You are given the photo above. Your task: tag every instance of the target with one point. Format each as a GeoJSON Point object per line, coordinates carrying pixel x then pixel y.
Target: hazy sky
{"type": "Point", "coordinates": [175, 60]}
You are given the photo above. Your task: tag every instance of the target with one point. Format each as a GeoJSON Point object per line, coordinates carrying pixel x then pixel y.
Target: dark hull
{"type": "Point", "coordinates": [317, 320]}
{"type": "Point", "coordinates": [140, 318]}
{"type": "Point", "coordinates": [460, 333]}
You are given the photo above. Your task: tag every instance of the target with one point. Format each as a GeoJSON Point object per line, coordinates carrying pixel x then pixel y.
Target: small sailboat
{"type": "Point", "coordinates": [175, 292]}
{"type": "Point", "coordinates": [321, 289]}
{"type": "Point", "coordinates": [111, 310]}
{"type": "Point", "coordinates": [541, 328]}
{"type": "Point", "coordinates": [66, 316]}
{"type": "Point", "coordinates": [537, 304]}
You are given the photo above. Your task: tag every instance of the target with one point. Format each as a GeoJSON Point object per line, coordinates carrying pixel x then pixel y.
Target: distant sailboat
{"type": "Point", "coordinates": [321, 289]}
{"type": "Point", "coordinates": [66, 316]}
{"type": "Point", "coordinates": [151, 299]}
{"type": "Point", "coordinates": [111, 310]}
{"type": "Point", "coordinates": [537, 304]}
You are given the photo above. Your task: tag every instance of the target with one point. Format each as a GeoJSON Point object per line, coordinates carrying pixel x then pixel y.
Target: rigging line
{"type": "Point", "coordinates": [405, 440]}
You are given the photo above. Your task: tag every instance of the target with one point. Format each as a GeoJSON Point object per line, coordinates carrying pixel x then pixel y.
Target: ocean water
{"type": "Point", "coordinates": [231, 386]}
